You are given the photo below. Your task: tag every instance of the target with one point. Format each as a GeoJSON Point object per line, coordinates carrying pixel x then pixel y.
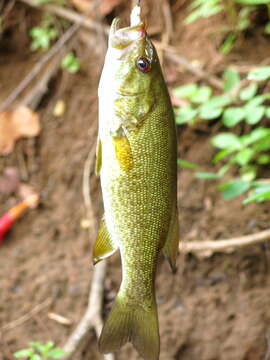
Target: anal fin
{"type": "Point", "coordinates": [104, 246]}
{"type": "Point", "coordinates": [170, 249]}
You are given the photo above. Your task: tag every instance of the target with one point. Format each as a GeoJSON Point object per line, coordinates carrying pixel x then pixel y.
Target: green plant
{"type": "Point", "coordinates": [238, 19]}
{"type": "Point", "coordinates": [242, 101]}
{"type": "Point", "coordinates": [71, 63]}
{"type": "Point", "coordinates": [237, 103]}
{"type": "Point", "coordinates": [43, 35]}
{"type": "Point", "coordinates": [37, 351]}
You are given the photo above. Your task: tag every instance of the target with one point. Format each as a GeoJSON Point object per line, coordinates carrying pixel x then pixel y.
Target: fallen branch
{"type": "Point", "coordinates": [208, 247]}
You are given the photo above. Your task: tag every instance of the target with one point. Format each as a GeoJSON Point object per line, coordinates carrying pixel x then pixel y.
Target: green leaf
{"type": "Point", "coordinates": [255, 135]}
{"type": "Point", "coordinates": [255, 115]}
{"type": "Point", "coordinates": [201, 95]}
{"type": "Point", "coordinates": [185, 91]}
{"type": "Point", "coordinates": [267, 28]}
{"type": "Point", "coordinates": [25, 353]}
{"type": "Point", "coordinates": [258, 196]}
{"type": "Point", "coordinates": [219, 101]}
{"type": "Point", "coordinates": [256, 101]}
{"type": "Point", "coordinates": [243, 18]}
{"type": "Point", "coordinates": [234, 188]}
{"type": "Point", "coordinates": [248, 172]}
{"type": "Point", "coordinates": [259, 74]}
{"type": "Point", "coordinates": [228, 43]}
{"type": "Point", "coordinates": [267, 112]}
{"type": "Point", "coordinates": [249, 92]}
{"type": "Point", "coordinates": [207, 175]}
{"type": "Point", "coordinates": [230, 78]}
{"type": "Point", "coordinates": [262, 145]}
{"type": "Point", "coordinates": [37, 345]}
{"type": "Point", "coordinates": [205, 10]}
{"type": "Point", "coordinates": [213, 107]}
{"type": "Point", "coordinates": [226, 141]}
{"type": "Point", "coordinates": [244, 156]}
{"type": "Point", "coordinates": [222, 154]}
{"type": "Point", "coordinates": [45, 348]}
{"type": "Point", "coordinates": [233, 115]}
{"type": "Point", "coordinates": [209, 112]}
{"type": "Point", "coordinates": [56, 353]}
{"type": "Point", "coordinates": [263, 159]}
{"type": "Point", "coordinates": [185, 114]}
{"type": "Point", "coordinates": [36, 357]}
{"type": "Point", "coordinates": [71, 63]}
{"type": "Point", "coordinates": [186, 164]}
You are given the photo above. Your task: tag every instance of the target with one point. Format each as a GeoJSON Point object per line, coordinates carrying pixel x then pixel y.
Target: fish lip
{"type": "Point", "coordinates": [121, 37]}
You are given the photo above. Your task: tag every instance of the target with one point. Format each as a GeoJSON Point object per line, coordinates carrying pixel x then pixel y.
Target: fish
{"type": "Point", "coordinates": [136, 160]}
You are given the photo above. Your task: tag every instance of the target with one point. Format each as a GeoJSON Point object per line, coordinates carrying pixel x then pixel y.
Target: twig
{"type": "Point", "coordinates": [27, 316]}
{"type": "Point", "coordinates": [212, 80]}
{"type": "Point", "coordinates": [208, 247]}
{"type": "Point", "coordinates": [34, 96]}
{"type": "Point", "coordinates": [36, 69]}
{"type": "Point", "coordinates": [168, 19]}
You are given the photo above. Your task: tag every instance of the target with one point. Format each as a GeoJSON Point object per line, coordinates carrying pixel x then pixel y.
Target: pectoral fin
{"type": "Point", "coordinates": [104, 246]}
{"type": "Point", "coordinates": [98, 156]}
{"type": "Point", "coordinates": [123, 152]}
{"type": "Point", "coordinates": [170, 248]}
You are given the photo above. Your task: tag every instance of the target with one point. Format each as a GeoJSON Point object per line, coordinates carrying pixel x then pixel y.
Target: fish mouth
{"type": "Point", "coordinates": [122, 36]}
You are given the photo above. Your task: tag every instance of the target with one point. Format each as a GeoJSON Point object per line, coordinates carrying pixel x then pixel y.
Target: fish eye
{"type": "Point", "coordinates": [143, 64]}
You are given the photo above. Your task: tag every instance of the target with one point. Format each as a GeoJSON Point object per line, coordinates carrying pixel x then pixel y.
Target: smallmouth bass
{"type": "Point", "coordinates": [137, 162]}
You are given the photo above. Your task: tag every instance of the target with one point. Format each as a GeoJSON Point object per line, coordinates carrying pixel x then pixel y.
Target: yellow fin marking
{"type": "Point", "coordinates": [123, 152]}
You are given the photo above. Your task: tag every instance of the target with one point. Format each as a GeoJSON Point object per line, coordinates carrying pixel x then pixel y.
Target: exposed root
{"type": "Point", "coordinates": [207, 248]}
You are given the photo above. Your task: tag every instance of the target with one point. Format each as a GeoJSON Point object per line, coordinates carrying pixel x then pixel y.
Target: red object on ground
{"type": "Point", "coordinates": [5, 223]}
{"type": "Point", "coordinates": [14, 213]}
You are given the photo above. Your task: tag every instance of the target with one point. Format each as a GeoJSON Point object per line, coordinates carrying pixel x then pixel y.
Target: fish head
{"type": "Point", "coordinates": [130, 75]}
{"type": "Point", "coordinates": [133, 58]}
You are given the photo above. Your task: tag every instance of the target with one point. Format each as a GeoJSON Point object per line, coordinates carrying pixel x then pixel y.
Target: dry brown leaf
{"type": "Point", "coordinates": [21, 122]}
{"type": "Point", "coordinates": [105, 6]}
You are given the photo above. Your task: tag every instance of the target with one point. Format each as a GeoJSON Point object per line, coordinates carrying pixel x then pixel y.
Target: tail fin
{"type": "Point", "coordinates": [129, 324]}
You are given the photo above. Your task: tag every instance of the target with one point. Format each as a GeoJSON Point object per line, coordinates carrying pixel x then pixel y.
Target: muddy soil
{"type": "Point", "coordinates": [214, 308]}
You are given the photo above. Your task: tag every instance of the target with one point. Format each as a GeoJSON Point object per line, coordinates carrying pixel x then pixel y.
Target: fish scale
{"type": "Point", "coordinates": [137, 161]}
